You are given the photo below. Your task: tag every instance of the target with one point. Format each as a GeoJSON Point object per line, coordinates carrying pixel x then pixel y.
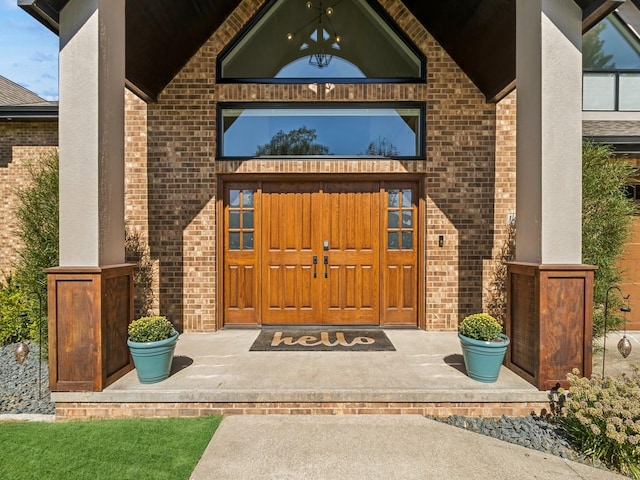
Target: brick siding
{"type": "Point", "coordinates": [20, 143]}
{"type": "Point", "coordinates": [84, 411]}
{"type": "Point", "coordinates": [172, 174]}
{"type": "Point", "coordinates": [469, 173]}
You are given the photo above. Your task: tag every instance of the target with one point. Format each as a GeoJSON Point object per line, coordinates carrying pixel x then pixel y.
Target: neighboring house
{"type": "Point", "coordinates": [345, 163]}
{"type": "Point", "coordinates": [28, 128]}
{"type": "Point", "coordinates": [611, 104]}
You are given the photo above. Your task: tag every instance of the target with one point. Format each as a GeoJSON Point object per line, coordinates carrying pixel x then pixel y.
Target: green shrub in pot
{"type": "Point", "coordinates": [150, 329]}
{"type": "Point", "coordinates": [481, 326]}
{"type": "Point", "coordinates": [152, 342]}
{"type": "Point", "coordinates": [483, 346]}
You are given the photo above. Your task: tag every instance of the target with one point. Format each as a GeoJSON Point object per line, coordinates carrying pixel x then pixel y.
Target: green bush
{"type": "Point", "coordinates": [606, 218]}
{"type": "Point", "coordinates": [480, 326]}
{"type": "Point", "coordinates": [602, 419]}
{"type": "Point", "coordinates": [150, 329]}
{"type": "Point", "coordinates": [37, 228]}
{"type": "Point", "coordinates": [14, 327]}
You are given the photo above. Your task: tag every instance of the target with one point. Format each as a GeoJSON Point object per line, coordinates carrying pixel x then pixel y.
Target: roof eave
{"type": "Point", "coordinates": [43, 12]}
{"type": "Point", "coordinates": [621, 145]}
{"type": "Point", "coordinates": [47, 13]}
{"type": "Point", "coordinates": [29, 113]}
{"type": "Point", "coordinates": [592, 16]}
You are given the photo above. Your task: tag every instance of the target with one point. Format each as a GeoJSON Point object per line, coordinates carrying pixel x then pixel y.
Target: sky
{"type": "Point", "coordinates": [28, 51]}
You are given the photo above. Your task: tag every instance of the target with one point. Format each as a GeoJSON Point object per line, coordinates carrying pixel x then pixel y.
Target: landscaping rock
{"type": "Point", "coordinates": [24, 388]}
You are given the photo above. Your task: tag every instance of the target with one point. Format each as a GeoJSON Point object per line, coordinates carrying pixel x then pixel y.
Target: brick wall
{"type": "Point", "coordinates": [86, 411]}
{"type": "Point", "coordinates": [469, 173]}
{"type": "Point", "coordinates": [20, 143]}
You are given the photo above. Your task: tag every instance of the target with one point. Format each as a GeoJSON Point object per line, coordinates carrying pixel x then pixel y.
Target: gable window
{"type": "Point", "coordinates": [611, 67]}
{"type": "Point", "coordinates": [285, 130]}
{"type": "Point", "coordinates": [344, 41]}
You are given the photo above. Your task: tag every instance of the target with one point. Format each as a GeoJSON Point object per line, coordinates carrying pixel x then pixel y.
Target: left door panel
{"type": "Point", "coordinates": [290, 287]}
{"type": "Point", "coordinates": [241, 244]}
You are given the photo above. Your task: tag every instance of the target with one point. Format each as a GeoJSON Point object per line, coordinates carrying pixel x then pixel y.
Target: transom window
{"type": "Point", "coordinates": [380, 130]}
{"type": "Point", "coordinates": [347, 41]}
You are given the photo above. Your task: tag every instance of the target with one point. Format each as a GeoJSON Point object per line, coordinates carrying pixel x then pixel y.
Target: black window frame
{"type": "Point", "coordinates": [421, 133]}
{"type": "Point", "coordinates": [616, 88]}
{"type": "Point", "coordinates": [612, 71]}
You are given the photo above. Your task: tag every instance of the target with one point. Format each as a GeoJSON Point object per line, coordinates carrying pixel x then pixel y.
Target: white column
{"type": "Point", "coordinates": [92, 60]}
{"type": "Point", "coordinates": [549, 132]}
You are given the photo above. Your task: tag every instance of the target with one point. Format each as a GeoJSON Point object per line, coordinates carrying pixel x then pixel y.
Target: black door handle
{"type": "Point", "coordinates": [315, 262]}
{"type": "Point", "coordinates": [326, 262]}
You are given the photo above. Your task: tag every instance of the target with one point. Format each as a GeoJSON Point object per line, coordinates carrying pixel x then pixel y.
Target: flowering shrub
{"type": "Point", "coordinates": [150, 329]}
{"type": "Point", "coordinates": [480, 326]}
{"type": "Point", "coordinates": [602, 418]}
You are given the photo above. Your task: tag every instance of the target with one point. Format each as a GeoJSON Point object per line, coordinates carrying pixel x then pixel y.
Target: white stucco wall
{"type": "Point", "coordinates": [549, 123]}
{"type": "Point", "coordinates": [92, 36]}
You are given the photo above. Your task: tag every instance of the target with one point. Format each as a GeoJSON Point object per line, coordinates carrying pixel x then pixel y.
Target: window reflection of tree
{"type": "Point", "coordinates": [300, 141]}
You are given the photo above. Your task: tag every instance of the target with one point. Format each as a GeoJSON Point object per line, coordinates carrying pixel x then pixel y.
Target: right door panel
{"type": "Point", "coordinates": [400, 258]}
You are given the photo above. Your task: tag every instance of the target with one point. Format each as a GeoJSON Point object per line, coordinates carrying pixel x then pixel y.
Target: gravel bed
{"type": "Point", "coordinates": [532, 431]}
{"type": "Point", "coordinates": [19, 393]}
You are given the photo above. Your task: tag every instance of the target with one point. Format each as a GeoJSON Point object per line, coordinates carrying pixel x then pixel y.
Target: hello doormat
{"type": "Point", "coordinates": [321, 339]}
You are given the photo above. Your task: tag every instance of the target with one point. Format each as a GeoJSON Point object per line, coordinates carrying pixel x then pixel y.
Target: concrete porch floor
{"type": "Point", "coordinates": [425, 374]}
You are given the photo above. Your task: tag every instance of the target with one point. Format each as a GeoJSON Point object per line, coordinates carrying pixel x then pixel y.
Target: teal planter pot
{"type": "Point", "coordinates": [483, 359]}
{"type": "Point", "coordinates": [153, 359]}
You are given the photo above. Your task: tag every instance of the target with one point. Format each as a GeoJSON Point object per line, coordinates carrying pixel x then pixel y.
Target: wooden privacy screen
{"type": "Point", "coordinates": [549, 322]}
{"type": "Point", "coordinates": [89, 311]}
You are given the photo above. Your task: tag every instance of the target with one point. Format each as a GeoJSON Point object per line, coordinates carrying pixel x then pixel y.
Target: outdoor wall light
{"type": "Point", "coordinates": [624, 345]}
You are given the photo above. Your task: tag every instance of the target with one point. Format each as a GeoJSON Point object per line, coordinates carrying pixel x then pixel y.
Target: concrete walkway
{"type": "Point", "coordinates": [371, 447]}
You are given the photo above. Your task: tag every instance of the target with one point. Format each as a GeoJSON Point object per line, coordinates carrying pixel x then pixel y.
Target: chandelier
{"type": "Point", "coordinates": [324, 40]}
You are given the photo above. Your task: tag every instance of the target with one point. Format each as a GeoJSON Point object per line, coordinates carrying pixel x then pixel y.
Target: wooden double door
{"type": "Point", "coordinates": [338, 253]}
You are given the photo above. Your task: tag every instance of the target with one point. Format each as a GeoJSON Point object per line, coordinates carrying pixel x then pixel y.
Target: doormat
{"type": "Point", "coordinates": [321, 339]}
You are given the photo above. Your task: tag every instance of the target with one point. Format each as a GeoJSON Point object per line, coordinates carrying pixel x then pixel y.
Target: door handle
{"type": "Point", "coordinates": [326, 262]}
{"type": "Point", "coordinates": [315, 262]}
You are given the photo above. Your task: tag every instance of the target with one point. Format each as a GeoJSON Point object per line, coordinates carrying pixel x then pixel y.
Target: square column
{"type": "Point", "coordinates": [549, 132]}
{"type": "Point", "coordinates": [91, 292]}
{"type": "Point", "coordinates": [92, 82]}
{"type": "Point", "coordinates": [549, 292]}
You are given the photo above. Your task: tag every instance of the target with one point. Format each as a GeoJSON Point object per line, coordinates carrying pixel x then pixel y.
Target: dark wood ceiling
{"type": "Point", "coordinates": [162, 35]}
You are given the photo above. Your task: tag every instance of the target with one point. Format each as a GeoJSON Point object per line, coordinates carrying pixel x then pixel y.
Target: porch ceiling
{"type": "Point", "coordinates": [162, 35]}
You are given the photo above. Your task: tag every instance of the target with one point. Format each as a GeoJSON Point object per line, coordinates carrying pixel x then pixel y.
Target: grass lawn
{"type": "Point", "coordinates": [104, 449]}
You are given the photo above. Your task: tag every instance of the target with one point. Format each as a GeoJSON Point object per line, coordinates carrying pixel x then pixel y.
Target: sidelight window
{"type": "Point", "coordinates": [400, 221]}
{"type": "Point", "coordinates": [241, 219]}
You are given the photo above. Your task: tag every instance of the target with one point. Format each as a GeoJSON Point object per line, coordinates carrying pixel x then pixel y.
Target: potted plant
{"type": "Point", "coordinates": [483, 346]}
{"type": "Point", "coordinates": [152, 341]}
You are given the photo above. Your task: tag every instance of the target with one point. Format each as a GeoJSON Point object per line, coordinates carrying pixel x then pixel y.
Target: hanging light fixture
{"type": "Point", "coordinates": [324, 40]}
{"type": "Point", "coordinates": [624, 345]}
{"type": "Point", "coordinates": [21, 352]}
